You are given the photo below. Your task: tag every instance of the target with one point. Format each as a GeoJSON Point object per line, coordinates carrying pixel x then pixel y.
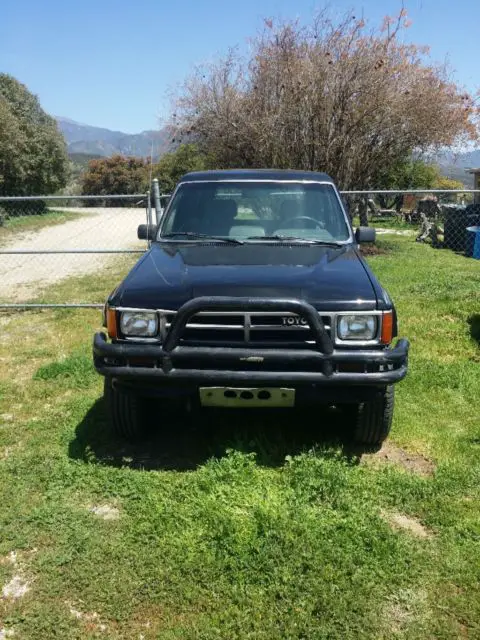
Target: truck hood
{"type": "Point", "coordinates": [168, 275]}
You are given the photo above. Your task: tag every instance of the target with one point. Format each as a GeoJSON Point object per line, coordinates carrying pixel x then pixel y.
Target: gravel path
{"type": "Point", "coordinates": [397, 232]}
{"type": "Point", "coordinates": [21, 276]}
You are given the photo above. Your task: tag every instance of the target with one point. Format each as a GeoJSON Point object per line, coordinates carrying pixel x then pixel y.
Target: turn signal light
{"type": "Point", "coordinates": [112, 323]}
{"type": "Point", "coordinates": [387, 327]}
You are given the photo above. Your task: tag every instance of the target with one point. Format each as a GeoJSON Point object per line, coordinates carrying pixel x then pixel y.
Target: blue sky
{"type": "Point", "coordinates": [112, 64]}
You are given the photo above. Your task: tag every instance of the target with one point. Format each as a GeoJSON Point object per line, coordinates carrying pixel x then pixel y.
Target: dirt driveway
{"type": "Point", "coordinates": [104, 228]}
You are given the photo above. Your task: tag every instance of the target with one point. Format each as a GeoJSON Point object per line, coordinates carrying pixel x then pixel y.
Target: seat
{"type": "Point", "coordinates": [219, 216]}
{"type": "Point", "coordinates": [292, 214]}
{"type": "Point", "coordinates": [289, 209]}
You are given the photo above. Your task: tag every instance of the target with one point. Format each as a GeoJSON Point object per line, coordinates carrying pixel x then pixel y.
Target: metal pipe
{"type": "Point", "coordinates": [166, 195]}
{"type": "Point", "coordinates": [407, 191]}
{"type": "Point", "coordinates": [149, 216]}
{"type": "Point", "coordinates": [134, 196]}
{"type": "Point", "coordinates": [221, 303]}
{"type": "Point", "coordinates": [215, 377]}
{"type": "Point", "coordinates": [156, 199]}
{"type": "Point", "coordinates": [22, 252]}
{"type": "Point", "coordinates": [40, 305]}
{"type": "Point", "coordinates": [149, 209]}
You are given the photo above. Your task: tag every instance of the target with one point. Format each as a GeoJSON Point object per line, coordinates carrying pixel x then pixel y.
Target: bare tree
{"type": "Point", "coordinates": [330, 96]}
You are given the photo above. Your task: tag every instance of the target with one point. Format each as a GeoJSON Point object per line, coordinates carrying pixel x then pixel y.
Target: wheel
{"type": "Point", "coordinates": [125, 412]}
{"type": "Point", "coordinates": [374, 418]}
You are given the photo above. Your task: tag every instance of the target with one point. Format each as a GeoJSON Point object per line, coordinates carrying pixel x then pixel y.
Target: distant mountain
{"type": "Point", "coordinates": [79, 163]}
{"type": "Point", "coordinates": [95, 141]}
{"type": "Point", "coordinates": [455, 165]}
{"type": "Point", "coordinates": [83, 159]}
{"type": "Point", "coordinates": [466, 160]}
{"type": "Point", "coordinates": [86, 142]}
{"type": "Point", "coordinates": [454, 172]}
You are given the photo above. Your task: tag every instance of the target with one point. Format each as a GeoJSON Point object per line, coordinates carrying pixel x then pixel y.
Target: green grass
{"type": "Point", "coordinates": [236, 526]}
{"type": "Point", "coordinates": [88, 288]}
{"type": "Point", "coordinates": [16, 224]}
{"type": "Point", "coordinates": [388, 222]}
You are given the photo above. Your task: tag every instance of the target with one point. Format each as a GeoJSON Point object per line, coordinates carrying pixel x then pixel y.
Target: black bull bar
{"type": "Point", "coordinates": [229, 365]}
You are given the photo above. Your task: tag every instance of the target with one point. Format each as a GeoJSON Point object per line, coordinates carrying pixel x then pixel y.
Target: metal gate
{"type": "Point", "coordinates": [91, 241]}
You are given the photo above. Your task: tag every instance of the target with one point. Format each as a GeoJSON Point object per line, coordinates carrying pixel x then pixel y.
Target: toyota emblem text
{"type": "Point", "coordinates": [293, 320]}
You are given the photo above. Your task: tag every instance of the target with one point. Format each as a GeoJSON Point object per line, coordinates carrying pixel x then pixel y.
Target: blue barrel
{"type": "Point", "coordinates": [473, 242]}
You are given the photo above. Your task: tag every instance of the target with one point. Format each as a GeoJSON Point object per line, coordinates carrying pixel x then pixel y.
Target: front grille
{"type": "Point", "coordinates": [254, 328]}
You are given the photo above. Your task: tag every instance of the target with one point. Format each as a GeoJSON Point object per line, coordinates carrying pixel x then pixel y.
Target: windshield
{"type": "Point", "coordinates": [256, 211]}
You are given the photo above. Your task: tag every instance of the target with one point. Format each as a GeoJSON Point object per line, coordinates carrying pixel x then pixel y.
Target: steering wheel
{"type": "Point", "coordinates": [317, 224]}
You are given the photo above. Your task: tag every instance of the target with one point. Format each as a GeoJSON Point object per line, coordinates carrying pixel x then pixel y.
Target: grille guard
{"type": "Point", "coordinates": [323, 341]}
{"type": "Point", "coordinates": [173, 361]}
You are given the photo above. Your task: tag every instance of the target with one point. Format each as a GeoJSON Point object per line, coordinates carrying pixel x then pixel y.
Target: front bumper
{"type": "Point", "coordinates": [322, 365]}
{"type": "Point", "coordinates": [228, 366]}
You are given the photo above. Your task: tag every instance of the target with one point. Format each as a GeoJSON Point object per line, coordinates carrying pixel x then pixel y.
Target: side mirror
{"type": "Point", "coordinates": [147, 231]}
{"type": "Point", "coordinates": [365, 234]}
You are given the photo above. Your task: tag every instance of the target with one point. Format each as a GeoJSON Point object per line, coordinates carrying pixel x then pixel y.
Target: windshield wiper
{"type": "Point", "coordinates": [200, 236]}
{"type": "Point", "coordinates": [324, 243]}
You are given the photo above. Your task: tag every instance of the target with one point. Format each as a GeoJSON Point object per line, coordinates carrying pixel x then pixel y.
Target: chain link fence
{"type": "Point", "coordinates": [442, 218]}
{"type": "Point", "coordinates": [44, 241]}
{"type": "Point", "coordinates": [71, 251]}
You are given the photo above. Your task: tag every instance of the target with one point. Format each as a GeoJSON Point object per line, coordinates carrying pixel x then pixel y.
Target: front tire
{"type": "Point", "coordinates": [124, 411]}
{"type": "Point", "coordinates": [374, 418]}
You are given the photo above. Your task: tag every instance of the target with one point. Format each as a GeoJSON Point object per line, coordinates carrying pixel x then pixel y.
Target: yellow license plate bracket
{"type": "Point", "coordinates": [244, 397]}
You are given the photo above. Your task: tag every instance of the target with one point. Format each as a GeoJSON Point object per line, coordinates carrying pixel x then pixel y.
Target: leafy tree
{"type": "Point", "coordinates": [33, 155]}
{"type": "Point", "coordinates": [115, 175]}
{"type": "Point", "coordinates": [172, 166]}
{"type": "Point", "coordinates": [403, 175]}
{"type": "Point", "coordinates": [332, 96]}
{"type": "Point", "coordinates": [409, 174]}
{"type": "Point", "coordinates": [412, 174]}
{"type": "Point", "coordinates": [12, 149]}
{"type": "Point", "coordinates": [442, 182]}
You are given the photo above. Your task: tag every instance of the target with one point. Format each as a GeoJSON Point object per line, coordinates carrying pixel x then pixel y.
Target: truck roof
{"type": "Point", "coordinates": [255, 174]}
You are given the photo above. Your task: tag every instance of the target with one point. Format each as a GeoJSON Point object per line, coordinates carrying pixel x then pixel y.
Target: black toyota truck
{"type": "Point", "coordinates": [253, 293]}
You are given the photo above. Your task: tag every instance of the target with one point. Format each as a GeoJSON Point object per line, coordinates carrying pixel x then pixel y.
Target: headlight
{"type": "Point", "coordinates": [141, 324]}
{"type": "Point", "coordinates": [356, 327]}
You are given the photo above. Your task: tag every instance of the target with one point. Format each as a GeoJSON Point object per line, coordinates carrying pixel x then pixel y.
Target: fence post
{"type": "Point", "coordinates": [363, 211]}
{"type": "Point", "coordinates": [149, 208]}
{"type": "Point", "coordinates": [149, 212]}
{"type": "Point", "coordinates": [156, 200]}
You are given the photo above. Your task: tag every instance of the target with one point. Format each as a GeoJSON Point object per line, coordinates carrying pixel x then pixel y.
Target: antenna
{"type": "Point", "coordinates": [151, 162]}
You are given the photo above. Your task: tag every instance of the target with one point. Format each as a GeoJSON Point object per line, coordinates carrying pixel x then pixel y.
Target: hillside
{"type": "Point", "coordinates": [455, 165]}
{"type": "Point", "coordinates": [469, 159]}
{"type": "Point", "coordinates": [79, 163]}
{"type": "Point", "coordinates": [96, 141]}
{"type": "Point", "coordinates": [86, 142]}
{"type": "Point", "coordinates": [457, 173]}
